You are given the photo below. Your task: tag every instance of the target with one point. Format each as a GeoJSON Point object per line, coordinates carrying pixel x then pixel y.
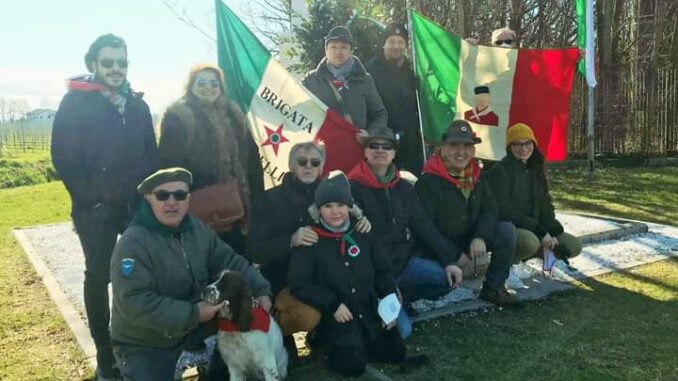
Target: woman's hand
{"type": "Point", "coordinates": [343, 314]}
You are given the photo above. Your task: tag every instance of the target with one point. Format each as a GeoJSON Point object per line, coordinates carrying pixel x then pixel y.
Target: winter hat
{"type": "Point", "coordinates": [395, 29]}
{"type": "Point", "coordinates": [163, 176]}
{"type": "Point", "coordinates": [378, 132]}
{"type": "Point", "coordinates": [106, 40]}
{"type": "Point", "coordinates": [334, 188]}
{"type": "Point", "coordinates": [460, 131]}
{"type": "Point", "coordinates": [519, 131]}
{"type": "Point", "coordinates": [340, 33]}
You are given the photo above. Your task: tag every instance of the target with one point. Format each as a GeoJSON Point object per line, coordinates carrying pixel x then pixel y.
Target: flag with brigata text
{"type": "Point", "coordinates": [280, 111]}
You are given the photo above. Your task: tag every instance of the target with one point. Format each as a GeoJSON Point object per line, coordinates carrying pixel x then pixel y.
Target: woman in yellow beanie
{"type": "Point", "coordinates": [520, 187]}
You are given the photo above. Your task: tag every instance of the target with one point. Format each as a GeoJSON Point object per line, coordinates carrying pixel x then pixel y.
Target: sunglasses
{"type": "Point", "coordinates": [499, 42]}
{"type": "Point", "coordinates": [527, 144]}
{"type": "Point", "coordinates": [212, 83]}
{"type": "Point", "coordinates": [109, 62]}
{"type": "Point", "coordinates": [163, 195]}
{"type": "Point", "coordinates": [315, 162]}
{"type": "Point", "coordinates": [384, 146]}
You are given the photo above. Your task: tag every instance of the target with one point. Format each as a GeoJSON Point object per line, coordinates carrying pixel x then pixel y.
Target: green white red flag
{"type": "Point", "coordinates": [531, 86]}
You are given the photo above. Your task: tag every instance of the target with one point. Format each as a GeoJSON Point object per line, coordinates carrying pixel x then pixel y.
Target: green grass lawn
{"type": "Point", "coordinates": [614, 327]}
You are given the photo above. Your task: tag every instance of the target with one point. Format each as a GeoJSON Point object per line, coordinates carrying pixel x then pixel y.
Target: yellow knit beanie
{"type": "Point", "coordinates": [519, 131]}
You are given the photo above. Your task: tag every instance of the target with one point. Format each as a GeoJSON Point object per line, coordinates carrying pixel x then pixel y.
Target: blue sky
{"type": "Point", "coordinates": [44, 41]}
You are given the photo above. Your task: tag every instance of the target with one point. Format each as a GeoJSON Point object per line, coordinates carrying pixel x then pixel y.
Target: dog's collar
{"type": "Point", "coordinates": [261, 321]}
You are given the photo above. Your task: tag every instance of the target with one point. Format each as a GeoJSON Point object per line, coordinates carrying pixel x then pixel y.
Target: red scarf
{"type": "Point", "coordinates": [344, 237]}
{"type": "Point", "coordinates": [261, 322]}
{"type": "Point", "coordinates": [364, 175]}
{"type": "Point", "coordinates": [470, 174]}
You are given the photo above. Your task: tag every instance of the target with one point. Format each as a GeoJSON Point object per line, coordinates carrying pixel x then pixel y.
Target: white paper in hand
{"type": "Point", "coordinates": [389, 308]}
{"type": "Point", "coordinates": [549, 260]}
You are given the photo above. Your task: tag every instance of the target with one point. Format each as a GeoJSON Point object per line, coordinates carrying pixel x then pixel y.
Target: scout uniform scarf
{"type": "Point", "coordinates": [465, 180]}
{"type": "Point", "coordinates": [261, 322]}
{"type": "Point", "coordinates": [344, 237]}
{"type": "Point", "coordinates": [117, 97]}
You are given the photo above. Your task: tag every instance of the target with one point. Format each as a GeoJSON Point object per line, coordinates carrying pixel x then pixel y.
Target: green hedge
{"type": "Point", "coordinates": [17, 173]}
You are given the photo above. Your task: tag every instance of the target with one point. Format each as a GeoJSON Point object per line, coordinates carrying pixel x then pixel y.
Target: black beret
{"type": "Point", "coordinates": [163, 176]}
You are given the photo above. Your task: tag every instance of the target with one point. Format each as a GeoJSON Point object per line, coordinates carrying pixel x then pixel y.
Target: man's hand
{"type": "Point", "coordinates": [264, 302]}
{"type": "Point", "coordinates": [207, 310]}
{"type": "Point", "coordinates": [343, 314]}
{"type": "Point", "coordinates": [454, 275]}
{"type": "Point", "coordinates": [361, 135]}
{"type": "Point", "coordinates": [549, 242]}
{"type": "Point", "coordinates": [472, 41]}
{"type": "Point", "coordinates": [477, 248]}
{"type": "Point", "coordinates": [389, 325]}
{"type": "Point", "coordinates": [363, 225]}
{"type": "Point", "coordinates": [304, 236]}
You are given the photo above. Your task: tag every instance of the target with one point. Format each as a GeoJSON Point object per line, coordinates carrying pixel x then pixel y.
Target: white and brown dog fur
{"type": "Point", "coordinates": [246, 353]}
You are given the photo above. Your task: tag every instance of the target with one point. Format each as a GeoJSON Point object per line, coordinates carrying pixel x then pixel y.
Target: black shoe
{"type": "Point", "coordinates": [500, 297]}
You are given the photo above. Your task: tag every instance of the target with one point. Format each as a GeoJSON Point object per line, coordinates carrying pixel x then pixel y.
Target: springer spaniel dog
{"type": "Point", "coordinates": [249, 339]}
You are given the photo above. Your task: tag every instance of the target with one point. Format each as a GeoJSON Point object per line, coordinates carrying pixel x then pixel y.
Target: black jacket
{"type": "Point", "coordinates": [99, 154]}
{"type": "Point", "coordinates": [276, 215]}
{"type": "Point", "coordinates": [398, 218]}
{"type": "Point", "coordinates": [397, 88]}
{"type": "Point", "coordinates": [458, 219]}
{"type": "Point", "coordinates": [523, 199]}
{"type": "Point", "coordinates": [323, 278]}
{"type": "Point", "coordinates": [361, 100]}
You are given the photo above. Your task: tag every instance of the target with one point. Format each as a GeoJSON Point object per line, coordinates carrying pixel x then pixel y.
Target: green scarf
{"type": "Point", "coordinates": [145, 217]}
{"type": "Point", "coordinates": [389, 176]}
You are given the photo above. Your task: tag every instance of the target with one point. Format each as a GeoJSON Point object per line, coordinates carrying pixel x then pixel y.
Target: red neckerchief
{"type": "Point", "coordinates": [364, 175]}
{"type": "Point", "coordinates": [261, 322]}
{"type": "Point", "coordinates": [84, 84]}
{"type": "Point", "coordinates": [343, 237]}
{"type": "Point", "coordinates": [437, 167]}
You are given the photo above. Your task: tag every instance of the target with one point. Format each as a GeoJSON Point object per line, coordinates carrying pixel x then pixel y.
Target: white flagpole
{"type": "Point", "coordinates": [414, 68]}
{"type": "Point", "coordinates": [591, 80]}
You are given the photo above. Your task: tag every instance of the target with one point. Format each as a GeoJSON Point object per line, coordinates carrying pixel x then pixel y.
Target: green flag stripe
{"type": "Point", "coordinates": [242, 57]}
{"type": "Point", "coordinates": [438, 67]}
{"type": "Point", "coordinates": [581, 31]}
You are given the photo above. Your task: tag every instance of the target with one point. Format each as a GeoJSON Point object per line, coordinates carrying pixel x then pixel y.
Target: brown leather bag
{"type": "Point", "coordinates": [219, 205]}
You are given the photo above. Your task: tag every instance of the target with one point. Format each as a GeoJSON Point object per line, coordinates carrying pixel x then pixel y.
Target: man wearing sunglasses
{"type": "Point", "coordinates": [280, 222]}
{"type": "Point", "coordinates": [398, 218]}
{"type": "Point", "coordinates": [103, 145]}
{"type": "Point", "coordinates": [159, 267]}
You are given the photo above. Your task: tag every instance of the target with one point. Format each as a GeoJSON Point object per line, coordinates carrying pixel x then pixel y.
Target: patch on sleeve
{"type": "Point", "coordinates": [127, 266]}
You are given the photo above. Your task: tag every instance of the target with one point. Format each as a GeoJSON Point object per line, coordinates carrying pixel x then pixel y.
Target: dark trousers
{"type": "Point", "coordinates": [351, 360]}
{"type": "Point", "coordinates": [98, 230]}
{"type": "Point", "coordinates": [139, 363]}
{"type": "Point", "coordinates": [502, 245]}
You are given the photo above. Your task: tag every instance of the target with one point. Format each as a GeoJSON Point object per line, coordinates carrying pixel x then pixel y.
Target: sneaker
{"type": "Point", "coordinates": [513, 281]}
{"type": "Point", "coordinates": [499, 297]}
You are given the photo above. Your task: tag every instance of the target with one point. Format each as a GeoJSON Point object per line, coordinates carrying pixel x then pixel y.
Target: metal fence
{"type": "Point", "coordinates": [636, 114]}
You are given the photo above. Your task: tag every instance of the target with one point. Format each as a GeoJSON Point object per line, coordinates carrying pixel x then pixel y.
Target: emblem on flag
{"type": "Point", "coordinates": [275, 137]}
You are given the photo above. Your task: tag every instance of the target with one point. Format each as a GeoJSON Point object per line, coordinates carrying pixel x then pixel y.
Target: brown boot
{"type": "Point", "coordinates": [500, 297]}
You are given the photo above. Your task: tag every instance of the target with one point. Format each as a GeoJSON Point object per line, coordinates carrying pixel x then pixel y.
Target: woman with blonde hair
{"type": "Point", "coordinates": [206, 133]}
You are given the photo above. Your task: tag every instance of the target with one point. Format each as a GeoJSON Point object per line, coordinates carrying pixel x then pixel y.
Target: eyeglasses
{"type": "Point", "coordinates": [384, 146]}
{"type": "Point", "coordinates": [109, 62]}
{"type": "Point", "coordinates": [163, 195]}
{"type": "Point", "coordinates": [499, 42]}
{"type": "Point", "coordinates": [527, 144]}
{"type": "Point", "coordinates": [315, 162]}
{"type": "Point", "coordinates": [212, 83]}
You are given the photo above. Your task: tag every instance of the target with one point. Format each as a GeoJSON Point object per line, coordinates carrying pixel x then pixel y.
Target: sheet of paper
{"type": "Point", "coordinates": [549, 259]}
{"type": "Point", "coordinates": [389, 308]}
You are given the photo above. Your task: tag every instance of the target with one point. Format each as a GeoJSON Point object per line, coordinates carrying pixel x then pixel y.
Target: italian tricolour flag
{"type": "Point", "coordinates": [492, 88]}
{"type": "Point", "coordinates": [280, 111]}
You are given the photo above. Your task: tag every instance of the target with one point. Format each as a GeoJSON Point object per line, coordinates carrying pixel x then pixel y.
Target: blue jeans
{"type": "Point", "coordinates": [421, 279]}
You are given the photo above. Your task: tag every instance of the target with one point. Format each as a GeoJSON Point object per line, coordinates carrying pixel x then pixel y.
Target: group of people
{"type": "Point", "coordinates": [318, 252]}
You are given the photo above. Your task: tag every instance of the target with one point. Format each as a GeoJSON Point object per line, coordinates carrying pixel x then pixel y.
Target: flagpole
{"type": "Point", "coordinates": [414, 68]}
{"type": "Point", "coordinates": [591, 81]}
